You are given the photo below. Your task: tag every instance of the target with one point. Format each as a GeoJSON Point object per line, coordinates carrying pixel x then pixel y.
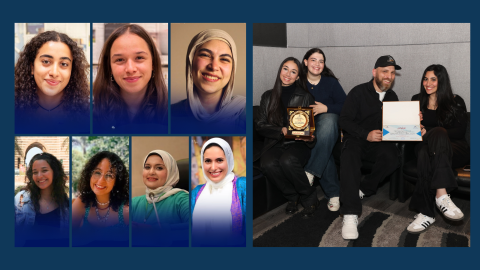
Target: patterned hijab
{"type": "Point", "coordinates": [230, 106]}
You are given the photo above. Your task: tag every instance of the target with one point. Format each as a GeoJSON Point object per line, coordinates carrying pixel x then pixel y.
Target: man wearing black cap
{"type": "Point", "coordinates": [361, 122]}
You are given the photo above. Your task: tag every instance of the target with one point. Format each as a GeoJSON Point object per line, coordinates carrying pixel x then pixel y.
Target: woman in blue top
{"type": "Point", "coordinates": [329, 98]}
{"type": "Point", "coordinates": [218, 207]}
{"type": "Point", "coordinates": [100, 215]}
{"type": "Point", "coordinates": [41, 208]}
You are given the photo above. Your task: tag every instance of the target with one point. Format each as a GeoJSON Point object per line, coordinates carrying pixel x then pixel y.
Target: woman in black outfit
{"type": "Point", "coordinates": [444, 147]}
{"type": "Point", "coordinates": [282, 160]}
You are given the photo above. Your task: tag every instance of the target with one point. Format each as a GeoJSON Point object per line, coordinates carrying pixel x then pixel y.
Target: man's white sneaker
{"type": "Point", "coordinates": [360, 193]}
{"type": "Point", "coordinates": [349, 229]}
{"type": "Point", "coordinates": [420, 224]}
{"type": "Point", "coordinates": [448, 208]}
{"type": "Point", "coordinates": [334, 204]}
{"type": "Point", "coordinates": [310, 177]}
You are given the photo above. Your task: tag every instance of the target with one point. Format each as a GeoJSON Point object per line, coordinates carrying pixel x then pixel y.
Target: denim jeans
{"type": "Point", "coordinates": [321, 163]}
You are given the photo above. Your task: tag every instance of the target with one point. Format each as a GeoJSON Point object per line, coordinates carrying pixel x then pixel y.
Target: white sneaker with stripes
{"type": "Point", "coordinates": [349, 229]}
{"type": "Point", "coordinates": [448, 208]}
{"type": "Point", "coordinates": [420, 224]}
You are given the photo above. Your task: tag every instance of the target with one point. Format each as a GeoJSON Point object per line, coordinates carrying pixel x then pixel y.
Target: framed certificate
{"type": "Point", "coordinates": [301, 123]}
{"type": "Point", "coordinates": [401, 121]}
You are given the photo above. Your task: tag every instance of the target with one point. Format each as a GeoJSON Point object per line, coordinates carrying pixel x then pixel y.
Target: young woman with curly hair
{"type": "Point", "coordinates": [129, 92]}
{"type": "Point", "coordinates": [51, 86]}
{"type": "Point", "coordinates": [41, 208]}
{"type": "Point", "coordinates": [102, 210]}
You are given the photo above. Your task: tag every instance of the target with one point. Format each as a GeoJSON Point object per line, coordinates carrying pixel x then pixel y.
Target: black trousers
{"type": "Point", "coordinates": [436, 156]}
{"type": "Point", "coordinates": [385, 157]}
{"type": "Point", "coordinates": [283, 166]}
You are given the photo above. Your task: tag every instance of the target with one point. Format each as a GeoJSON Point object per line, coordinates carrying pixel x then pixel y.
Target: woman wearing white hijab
{"type": "Point", "coordinates": [163, 207]}
{"type": "Point", "coordinates": [210, 76]}
{"type": "Point", "coordinates": [218, 207]}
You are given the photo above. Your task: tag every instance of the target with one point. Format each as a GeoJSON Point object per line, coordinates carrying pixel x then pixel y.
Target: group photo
{"type": "Point", "coordinates": [342, 181]}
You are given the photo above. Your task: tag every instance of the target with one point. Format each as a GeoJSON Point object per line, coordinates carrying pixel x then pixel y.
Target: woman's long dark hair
{"type": "Point", "coordinates": [275, 109]}
{"type": "Point", "coordinates": [109, 104]}
{"type": "Point", "coordinates": [447, 109]}
{"type": "Point", "coordinates": [120, 190]}
{"type": "Point", "coordinates": [326, 71]}
{"type": "Point", "coordinates": [76, 94]}
{"type": "Point", "coordinates": [58, 182]}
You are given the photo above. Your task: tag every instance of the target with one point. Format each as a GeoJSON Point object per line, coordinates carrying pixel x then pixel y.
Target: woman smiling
{"type": "Point", "coordinates": [329, 98]}
{"type": "Point", "coordinates": [129, 91]}
{"type": "Point", "coordinates": [163, 209]}
{"type": "Point", "coordinates": [281, 159]}
{"type": "Point", "coordinates": [211, 63]}
{"type": "Point", "coordinates": [100, 216]}
{"type": "Point", "coordinates": [51, 86]}
{"type": "Point", "coordinates": [218, 207]}
{"type": "Point", "coordinates": [41, 208]}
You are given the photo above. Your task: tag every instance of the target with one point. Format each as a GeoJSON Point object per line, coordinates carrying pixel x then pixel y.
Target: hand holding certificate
{"type": "Point", "coordinates": [401, 121]}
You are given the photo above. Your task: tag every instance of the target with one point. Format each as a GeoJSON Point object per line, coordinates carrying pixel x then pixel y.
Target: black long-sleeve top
{"type": "Point", "coordinates": [456, 130]}
{"type": "Point", "coordinates": [362, 111]}
{"type": "Point", "coordinates": [273, 133]}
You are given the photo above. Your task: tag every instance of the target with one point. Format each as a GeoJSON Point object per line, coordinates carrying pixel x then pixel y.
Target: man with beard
{"type": "Point", "coordinates": [361, 122]}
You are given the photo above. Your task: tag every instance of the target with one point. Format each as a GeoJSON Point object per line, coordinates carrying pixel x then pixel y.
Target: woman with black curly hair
{"type": "Point", "coordinates": [51, 86]}
{"type": "Point", "coordinates": [102, 210]}
{"type": "Point", "coordinates": [41, 208]}
{"type": "Point", "coordinates": [129, 92]}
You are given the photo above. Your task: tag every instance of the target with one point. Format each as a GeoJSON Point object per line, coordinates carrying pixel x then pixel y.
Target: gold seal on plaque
{"type": "Point", "coordinates": [299, 120]}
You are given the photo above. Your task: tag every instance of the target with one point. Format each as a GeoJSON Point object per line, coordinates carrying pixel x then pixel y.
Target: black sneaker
{"type": "Point", "coordinates": [291, 208]}
{"type": "Point", "coordinates": [308, 211]}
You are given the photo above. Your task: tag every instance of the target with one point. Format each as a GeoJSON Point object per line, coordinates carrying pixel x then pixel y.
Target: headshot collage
{"type": "Point", "coordinates": [242, 135]}
{"type": "Point", "coordinates": [130, 135]}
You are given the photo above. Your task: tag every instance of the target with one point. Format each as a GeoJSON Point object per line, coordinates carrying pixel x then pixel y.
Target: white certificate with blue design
{"type": "Point", "coordinates": [401, 121]}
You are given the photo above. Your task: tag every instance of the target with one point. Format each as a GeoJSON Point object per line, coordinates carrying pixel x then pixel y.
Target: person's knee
{"type": "Point", "coordinates": [390, 155]}
{"type": "Point", "coordinates": [327, 122]}
{"type": "Point", "coordinates": [268, 164]}
{"type": "Point", "coordinates": [288, 160]}
{"type": "Point", "coordinates": [350, 161]}
{"type": "Point", "coordinates": [329, 119]}
{"type": "Point", "coordinates": [438, 131]}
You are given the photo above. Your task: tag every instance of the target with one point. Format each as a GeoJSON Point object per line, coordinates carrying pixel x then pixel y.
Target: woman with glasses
{"type": "Point", "coordinates": [102, 210]}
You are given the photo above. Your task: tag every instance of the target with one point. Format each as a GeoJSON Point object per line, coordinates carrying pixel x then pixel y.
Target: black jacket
{"type": "Point", "coordinates": [272, 133]}
{"type": "Point", "coordinates": [362, 110]}
{"type": "Point", "coordinates": [457, 129]}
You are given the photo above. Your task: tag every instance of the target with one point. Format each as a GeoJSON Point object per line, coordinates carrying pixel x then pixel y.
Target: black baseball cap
{"type": "Point", "coordinates": [386, 61]}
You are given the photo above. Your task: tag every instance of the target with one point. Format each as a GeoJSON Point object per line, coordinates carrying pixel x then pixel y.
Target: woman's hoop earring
{"type": "Point", "coordinates": [112, 78]}
{"type": "Point", "coordinates": [153, 74]}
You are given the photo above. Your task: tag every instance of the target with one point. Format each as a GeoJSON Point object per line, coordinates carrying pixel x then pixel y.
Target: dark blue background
{"type": "Point", "coordinates": [226, 11]}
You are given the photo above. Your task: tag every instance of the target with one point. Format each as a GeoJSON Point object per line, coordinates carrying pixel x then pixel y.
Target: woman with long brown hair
{"type": "Point", "coordinates": [129, 92]}
{"type": "Point", "coordinates": [41, 207]}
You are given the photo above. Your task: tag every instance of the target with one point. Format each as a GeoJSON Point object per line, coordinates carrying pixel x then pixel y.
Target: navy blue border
{"type": "Point", "coordinates": [244, 12]}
